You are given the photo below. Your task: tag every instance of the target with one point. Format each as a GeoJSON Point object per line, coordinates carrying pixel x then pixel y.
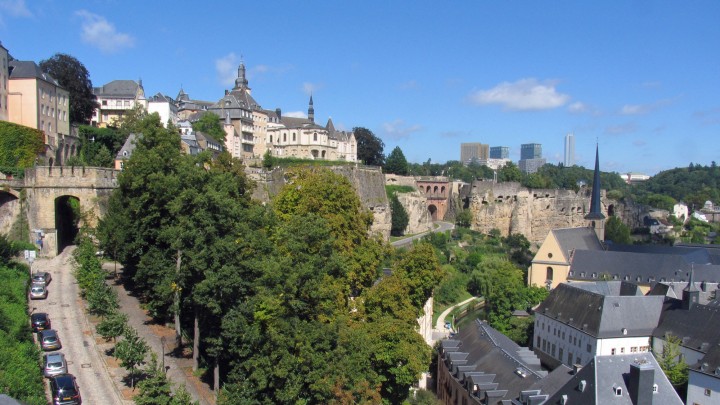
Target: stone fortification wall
{"type": "Point", "coordinates": [71, 177]}
{"type": "Point", "coordinates": [419, 219]}
{"type": "Point", "coordinates": [395, 180]}
{"type": "Point", "coordinates": [368, 181]}
{"type": "Point", "coordinates": [512, 208]}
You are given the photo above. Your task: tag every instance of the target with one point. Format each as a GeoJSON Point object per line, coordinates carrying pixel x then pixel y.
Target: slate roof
{"type": "Point", "coordinates": [481, 355]}
{"type": "Point", "coordinates": [710, 363]}
{"type": "Point", "coordinates": [697, 255]}
{"type": "Point", "coordinates": [697, 327]}
{"type": "Point", "coordinates": [573, 239]}
{"type": "Point", "coordinates": [117, 88]}
{"type": "Point", "coordinates": [602, 316]}
{"type": "Point", "coordinates": [127, 149]}
{"type": "Point", "coordinates": [29, 70]}
{"type": "Point", "coordinates": [604, 374]}
{"type": "Point", "coordinates": [638, 267]}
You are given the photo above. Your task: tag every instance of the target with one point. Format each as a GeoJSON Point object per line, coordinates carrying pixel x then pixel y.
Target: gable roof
{"type": "Point", "coordinates": [118, 88]}
{"type": "Point", "coordinates": [602, 316]}
{"type": "Point", "coordinates": [600, 381]}
{"type": "Point", "coordinates": [29, 70]}
{"type": "Point", "coordinates": [127, 149]}
{"type": "Point", "coordinates": [697, 327]}
{"type": "Point", "coordinates": [573, 239]}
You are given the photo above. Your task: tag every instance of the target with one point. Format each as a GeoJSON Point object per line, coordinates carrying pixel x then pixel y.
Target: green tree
{"type": "Point", "coordinates": [369, 147]}
{"type": "Point", "coordinates": [617, 231]}
{"type": "Point", "coordinates": [209, 123]}
{"type": "Point", "coordinates": [75, 78]}
{"type": "Point", "coordinates": [672, 364]}
{"type": "Point", "coordinates": [464, 218]}
{"type": "Point", "coordinates": [131, 351]}
{"type": "Point", "coordinates": [396, 162]}
{"type": "Point", "coordinates": [154, 389]}
{"type": "Point", "coordinates": [509, 172]}
{"type": "Point", "coordinates": [421, 272]}
{"type": "Point", "coordinates": [400, 219]}
{"type": "Point", "coordinates": [112, 326]}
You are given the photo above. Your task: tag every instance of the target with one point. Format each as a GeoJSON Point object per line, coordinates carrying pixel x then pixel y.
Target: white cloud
{"type": "Point", "coordinates": [398, 129]}
{"type": "Point", "coordinates": [639, 109]}
{"type": "Point", "coordinates": [226, 68]}
{"type": "Point", "coordinates": [524, 94]}
{"type": "Point", "coordinates": [621, 129]}
{"type": "Point", "coordinates": [15, 8]}
{"type": "Point", "coordinates": [100, 33]}
{"type": "Point", "coordinates": [577, 107]}
{"type": "Point", "coordinates": [295, 114]}
{"type": "Point", "coordinates": [310, 88]}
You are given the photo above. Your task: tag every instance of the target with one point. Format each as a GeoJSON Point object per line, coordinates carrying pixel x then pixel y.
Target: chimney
{"type": "Point", "coordinates": [640, 384]}
{"type": "Point", "coordinates": [576, 368]}
{"type": "Point", "coordinates": [278, 113]}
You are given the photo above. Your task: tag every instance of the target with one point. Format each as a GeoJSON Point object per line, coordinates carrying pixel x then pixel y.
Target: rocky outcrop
{"type": "Point", "coordinates": [511, 208]}
{"type": "Point", "coordinates": [419, 219]}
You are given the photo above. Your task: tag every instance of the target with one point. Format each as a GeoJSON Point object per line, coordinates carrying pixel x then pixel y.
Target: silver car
{"type": "Point", "coordinates": [54, 364]}
{"type": "Point", "coordinates": [41, 277]}
{"type": "Point", "coordinates": [49, 340]}
{"type": "Point", "coordinates": [38, 292]}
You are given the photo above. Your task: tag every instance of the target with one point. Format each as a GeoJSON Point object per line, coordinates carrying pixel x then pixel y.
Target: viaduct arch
{"type": "Point", "coordinates": [51, 196]}
{"type": "Point", "coordinates": [437, 192]}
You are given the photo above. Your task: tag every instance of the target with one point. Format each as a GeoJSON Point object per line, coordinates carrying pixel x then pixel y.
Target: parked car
{"type": "Point", "coordinates": [40, 321]}
{"type": "Point", "coordinates": [41, 277]}
{"type": "Point", "coordinates": [38, 292]}
{"type": "Point", "coordinates": [64, 390]}
{"type": "Point", "coordinates": [54, 364]}
{"type": "Point", "coordinates": [49, 340]}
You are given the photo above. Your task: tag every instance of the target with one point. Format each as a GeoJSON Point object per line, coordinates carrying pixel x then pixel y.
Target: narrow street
{"type": "Point", "coordinates": [65, 307]}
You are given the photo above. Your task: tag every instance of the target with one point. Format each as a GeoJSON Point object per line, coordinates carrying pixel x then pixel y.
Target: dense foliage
{"type": "Point", "coordinates": [399, 219]}
{"type": "Point", "coordinates": [19, 145]}
{"type": "Point", "coordinates": [692, 185]}
{"type": "Point", "coordinates": [20, 377]}
{"type": "Point", "coordinates": [396, 162]}
{"type": "Point", "coordinates": [269, 287]}
{"type": "Point", "coordinates": [209, 124]}
{"type": "Point", "coordinates": [75, 78]}
{"type": "Point", "coordinates": [617, 231]}
{"type": "Point", "coordinates": [99, 146]}
{"type": "Point", "coordinates": [369, 147]}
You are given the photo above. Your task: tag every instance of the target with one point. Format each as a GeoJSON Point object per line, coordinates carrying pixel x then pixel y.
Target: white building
{"type": "Point", "coordinates": [579, 321]}
{"type": "Point", "coordinates": [165, 106]}
{"type": "Point", "coordinates": [569, 150]}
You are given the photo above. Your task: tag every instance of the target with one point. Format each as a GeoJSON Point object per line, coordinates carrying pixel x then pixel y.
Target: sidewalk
{"type": "Point", "coordinates": [179, 369]}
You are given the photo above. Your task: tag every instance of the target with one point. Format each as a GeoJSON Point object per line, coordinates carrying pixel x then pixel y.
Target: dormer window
{"type": "Point", "coordinates": [617, 391]}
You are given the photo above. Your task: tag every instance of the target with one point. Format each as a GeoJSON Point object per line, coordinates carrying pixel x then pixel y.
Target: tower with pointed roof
{"type": "Point", "coordinates": [595, 218]}
{"type": "Point", "coordinates": [311, 110]}
{"type": "Point", "coordinates": [691, 294]}
{"type": "Point", "coordinates": [241, 81]}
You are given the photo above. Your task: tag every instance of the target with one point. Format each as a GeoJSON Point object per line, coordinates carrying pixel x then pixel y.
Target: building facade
{"type": "Point", "coordinates": [499, 152]}
{"type": "Point", "coordinates": [530, 151]}
{"type": "Point", "coordinates": [36, 100]}
{"type": "Point", "coordinates": [165, 107]}
{"type": "Point", "coordinates": [474, 151]}
{"type": "Point", "coordinates": [529, 166]}
{"type": "Point", "coordinates": [3, 83]}
{"type": "Point", "coordinates": [117, 98]}
{"type": "Point", "coordinates": [569, 150]}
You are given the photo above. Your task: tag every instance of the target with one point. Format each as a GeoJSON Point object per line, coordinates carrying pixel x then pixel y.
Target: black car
{"type": "Point", "coordinates": [64, 390]}
{"type": "Point", "coordinates": [40, 321]}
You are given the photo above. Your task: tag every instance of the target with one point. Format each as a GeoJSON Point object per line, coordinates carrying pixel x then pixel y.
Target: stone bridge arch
{"type": "Point", "coordinates": [437, 193]}
{"type": "Point", "coordinates": [49, 191]}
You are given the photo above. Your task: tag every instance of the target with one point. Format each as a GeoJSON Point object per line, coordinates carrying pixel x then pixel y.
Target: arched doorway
{"type": "Point", "coordinates": [67, 217]}
{"type": "Point", "coordinates": [433, 211]}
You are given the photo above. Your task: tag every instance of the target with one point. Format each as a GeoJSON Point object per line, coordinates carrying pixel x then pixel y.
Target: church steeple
{"type": "Point", "coordinates": [595, 218]}
{"type": "Point", "coordinates": [241, 81]}
{"type": "Point", "coordinates": [311, 110]}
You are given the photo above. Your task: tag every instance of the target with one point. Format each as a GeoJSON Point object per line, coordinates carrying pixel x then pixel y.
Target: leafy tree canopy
{"type": "Point", "coordinates": [210, 124]}
{"type": "Point", "coordinates": [396, 162]}
{"type": "Point", "coordinates": [400, 219]}
{"type": "Point", "coordinates": [75, 78]}
{"type": "Point", "coordinates": [617, 231]}
{"type": "Point", "coordinates": [20, 146]}
{"type": "Point", "coordinates": [369, 147]}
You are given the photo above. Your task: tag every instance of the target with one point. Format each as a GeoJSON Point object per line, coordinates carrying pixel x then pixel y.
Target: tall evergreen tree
{"type": "Point", "coordinates": [396, 162]}
{"type": "Point", "coordinates": [399, 219]}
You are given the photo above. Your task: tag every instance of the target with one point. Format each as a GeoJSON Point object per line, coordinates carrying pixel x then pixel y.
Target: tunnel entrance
{"type": "Point", "coordinates": [67, 217]}
{"type": "Point", "coordinates": [433, 212]}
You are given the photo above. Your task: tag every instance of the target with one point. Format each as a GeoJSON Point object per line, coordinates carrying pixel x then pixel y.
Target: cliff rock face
{"type": "Point", "coordinates": [512, 208]}
{"type": "Point", "coordinates": [369, 183]}
{"type": "Point", "coordinates": [419, 219]}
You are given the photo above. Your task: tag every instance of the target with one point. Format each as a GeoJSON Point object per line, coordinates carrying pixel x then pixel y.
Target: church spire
{"type": "Point", "coordinates": [595, 217]}
{"type": "Point", "coordinates": [241, 81]}
{"type": "Point", "coordinates": [691, 294]}
{"type": "Point", "coordinates": [311, 110]}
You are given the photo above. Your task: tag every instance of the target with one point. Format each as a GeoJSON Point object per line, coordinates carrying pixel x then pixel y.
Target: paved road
{"type": "Point", "coordinates": [66, 314]}
{"type": "Point", "coordinates": [441, 227]}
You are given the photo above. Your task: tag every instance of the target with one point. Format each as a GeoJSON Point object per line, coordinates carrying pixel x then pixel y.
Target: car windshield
{"type": "Point", "coordinates": [50, 339]}
{"type": "Point", "coordinates": [37, 289]}
{"type": "Point", "coordinates": [67, 391]}
{"type": "Point", "coordinates": [55, 364]}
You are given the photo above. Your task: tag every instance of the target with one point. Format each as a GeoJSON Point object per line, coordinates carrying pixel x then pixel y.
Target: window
{"type": "Point", "coordinates": [314, 136]}
{"type": "Point", "coordinates": [708, 392]}
{"type": "Point", "coordinates": [538, 341]}
{"type": "Point", "coordinates": [618, 391]}
{"type": "Point", "coordinates": [577, 360]}
{"type": "Point", "coordinates": [104, 102]}
{"type": "Point", "coordinates": [612, 351]}
{"type": "Point", "coordinates": [553, 350]}
{"type": "Point", "coordinates": [622, 350]}
{"type": "Point", "coordinates": [633, 349]}
{"type": "Point", "coordinates": [549, 273]}
{"type": "Point", "coordinates": [549, 255]}
{"type": "Point", "coordinates": [570, 356]}
{"type": "Point", "coordinates": [293, 136]}
{"type": "Point", "coordinates": [560, 354]}
{"type": "Point", "coordinates": [589, 348]}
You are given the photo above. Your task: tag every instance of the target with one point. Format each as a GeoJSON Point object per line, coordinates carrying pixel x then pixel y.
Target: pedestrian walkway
{"type": "Point", "coordinates": [161, 340]}
{"type": "Point", "coordinates": [439, 327]}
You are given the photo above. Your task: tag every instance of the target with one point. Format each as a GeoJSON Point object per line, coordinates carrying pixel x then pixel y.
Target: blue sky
{"type": "Point", "coordinates": [641, 78]}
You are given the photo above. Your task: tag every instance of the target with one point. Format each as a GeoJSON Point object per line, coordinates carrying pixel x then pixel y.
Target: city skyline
{"type": "Point", "coordinates": [634, 78]}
